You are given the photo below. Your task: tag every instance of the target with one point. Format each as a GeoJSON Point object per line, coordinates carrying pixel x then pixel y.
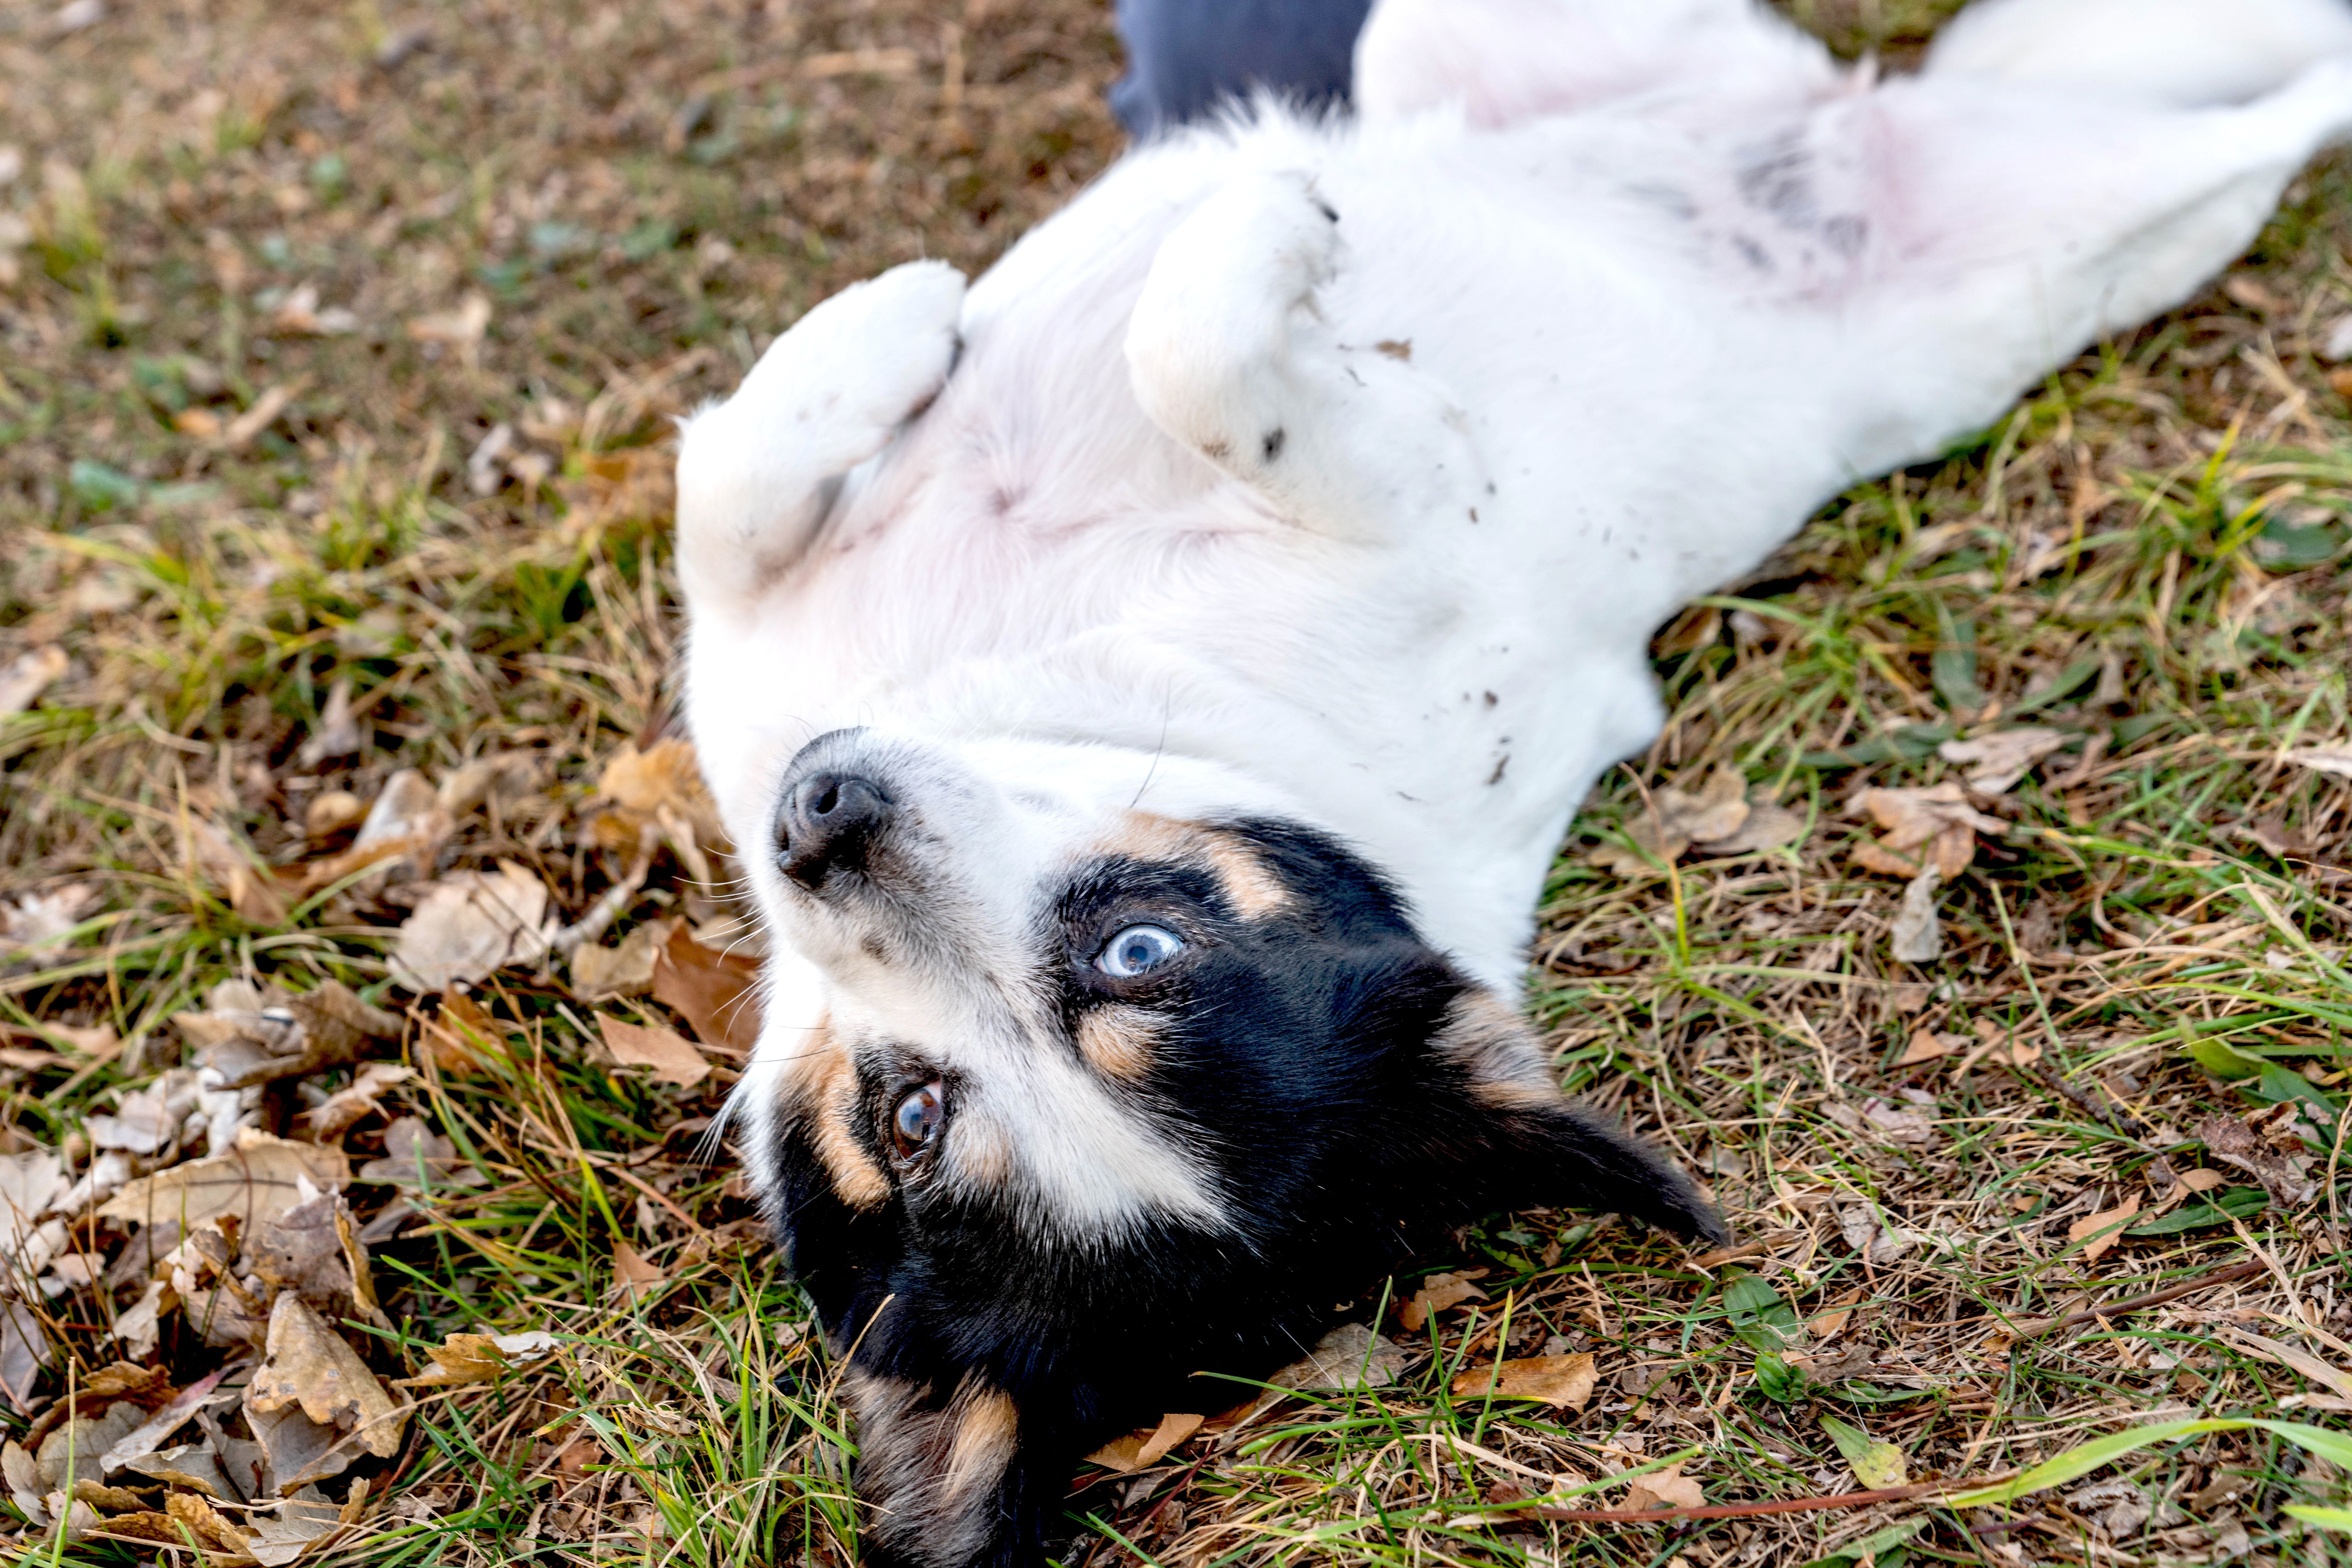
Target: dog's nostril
{"type": "Point", "coordinates": [827, 824]}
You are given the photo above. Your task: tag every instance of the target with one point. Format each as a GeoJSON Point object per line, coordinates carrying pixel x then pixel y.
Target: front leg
{"type": "Point", "coordinates": [758, 473]}
{"type": "Point", "coordinates": [1230, 354]}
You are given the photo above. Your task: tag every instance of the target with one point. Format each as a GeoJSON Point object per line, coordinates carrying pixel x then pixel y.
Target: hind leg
{"type": "Point", "coordinates": [2183, 53]}
{"type": "Point", "coordinates": [1503, 61]}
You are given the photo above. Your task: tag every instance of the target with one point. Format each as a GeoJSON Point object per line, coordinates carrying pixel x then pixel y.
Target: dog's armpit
{"type": "Point", "coordinates": [1498, 1053]}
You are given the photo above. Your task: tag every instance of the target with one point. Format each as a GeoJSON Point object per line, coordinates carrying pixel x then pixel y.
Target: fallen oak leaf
{"type": "Point", "coordinates": [417, 1157]}
{"type": "Point", "coordinates": [1675, 820]}
{"type": "Point", "coordinates": [716, 992]}
{"type": "Point", "coordinates": [1562, 1382]}
{"type": "Point", "coordinates": [634, 1277]}
{"type": "Point", "coordinates": [469, 925]}
{"type": "Point", "coordinates": [1146, 1446]}
{"type": "Point", "coordinates": [481, 1358]}
{"type": "Point", "coordinates": [2098, 1232]}
{"type": "Point", "coordinates": [308, 1364]}
{"type": "Point", "coordinates": [671, 1056]}
{"type": "Point", "coordinates": [1437, 1292]}
{"type": "Point", "coordinates": [1996, 761]}
{"type": "Point", "coordinates": [1940, 817]}
{"type": "Point", "coordinates": [1917, 934]}
{"type": "Point", "coordinates": [259, 1178]}
{"type": "Point", "coordinates": [1769, 825]}
{"type": "Point", "coordinates": [1668, 1488]}
{"type": "Point", "coordinates": [2266, 1147]}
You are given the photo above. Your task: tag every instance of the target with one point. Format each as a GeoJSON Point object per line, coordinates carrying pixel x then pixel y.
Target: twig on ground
{"type": "Point", "coordinates": [2031, 1328]}
{"type": "Point", "coordinates": [1752, 1509]}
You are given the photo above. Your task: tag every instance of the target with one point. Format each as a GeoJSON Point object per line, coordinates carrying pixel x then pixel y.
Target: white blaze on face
{"type": "Point", "coordinates": [954, 966]}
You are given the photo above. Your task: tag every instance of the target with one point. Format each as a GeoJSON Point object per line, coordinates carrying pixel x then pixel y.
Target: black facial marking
{"type": "Point", "coordinates": [1273, 442]}
{"type": "Point", "coordinates": [1308, 1053]}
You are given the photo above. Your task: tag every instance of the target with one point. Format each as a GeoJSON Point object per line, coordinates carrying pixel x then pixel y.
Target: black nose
{"type": "Point", "coordinates": [828, 824]}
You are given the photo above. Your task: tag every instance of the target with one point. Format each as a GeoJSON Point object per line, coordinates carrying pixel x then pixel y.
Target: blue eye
{"type": "Point", "coordinates": [1138, 950]}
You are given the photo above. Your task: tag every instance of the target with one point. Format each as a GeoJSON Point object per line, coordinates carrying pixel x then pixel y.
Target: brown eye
{"type": "Point", "coordinates": [914, 1125]}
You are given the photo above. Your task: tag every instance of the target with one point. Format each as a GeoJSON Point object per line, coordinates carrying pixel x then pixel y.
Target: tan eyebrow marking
{"type": "Point", "coordinates": [1499, 1052]}
{"type": "Point", "coordinates": [1252, 889]}
{"type": "Point", "coordinates": [1119, 1040]}
{"type": "Point", "coordinates": [831, 1102]}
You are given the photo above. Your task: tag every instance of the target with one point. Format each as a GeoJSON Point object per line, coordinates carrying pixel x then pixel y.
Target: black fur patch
{"type": "Point", "coordinates": [1294, 1050]}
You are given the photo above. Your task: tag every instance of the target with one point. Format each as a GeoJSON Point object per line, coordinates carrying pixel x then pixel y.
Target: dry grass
{"type": "Point", "coordinates": [245, 397]}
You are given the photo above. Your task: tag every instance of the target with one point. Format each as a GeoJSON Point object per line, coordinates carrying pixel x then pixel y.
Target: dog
{"type": "Point", "coordinates": [1151, 684]}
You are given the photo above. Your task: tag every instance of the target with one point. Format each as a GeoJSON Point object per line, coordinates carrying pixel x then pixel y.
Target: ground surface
{"type": "Point", "coordinates": [336, 349]}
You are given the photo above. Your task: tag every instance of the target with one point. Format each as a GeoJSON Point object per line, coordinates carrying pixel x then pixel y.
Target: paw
{"type": "Point", "coordinates": [1212, 333]}
{"type": "Point", "coordinates": [754, 474]}
{"type": "Point", "coordinates": [869, 356]}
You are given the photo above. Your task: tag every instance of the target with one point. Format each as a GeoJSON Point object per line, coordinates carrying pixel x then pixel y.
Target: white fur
{"type": "Point", "coordinates": [1653, 284]}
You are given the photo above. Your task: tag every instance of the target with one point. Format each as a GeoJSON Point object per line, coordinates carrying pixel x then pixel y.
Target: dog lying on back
{"type": "Point", "coordinates": [1161, 674]}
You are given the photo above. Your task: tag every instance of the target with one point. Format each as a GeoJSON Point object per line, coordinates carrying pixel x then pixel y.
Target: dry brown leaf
{"type": "Point", "coordinates": [646, 792]}
{"type": "Point", "coordinates": [2203, 1179]}
{"type": "Point", "coordinates": [2263, 1145]}
{"type": "Point", "coordinates": [1828, 1325]}
{"type": "Point", "coordinates": [633, 1278]}
{"type": "Point", "coordinates": [256, 1181]}
{"type": "Point", "coordinates": [414, 1156]}
{"type": "Point", "coordinates": [1769, 825]}
{"type": "Point", "coordinates": [1563, 1382]}
{"type": "Point", "coordinates": [1668, 1488]}
{"type": "Point", "coordinates": [1996, 761]}
{"type": "Point", "coordinates": [1939, 819]}
{"type": "Point", "coordinates": [26, 677]}
{"type": "Point", "coordinates": [308, 1364]}
{"type": "Point", "coordinates": [307, 1523]}
{"type": "Point", "coordinates": [1927, 1046]}
{"type": "Point", "coordinates": [1437, 1292]}
{"type": "Point", "coordinates": [231, 866]}
{"type": "Point", "coordinates": [1917, 935]}
{"type": "Point", "coordinates": [239, 432]}
{"type": "Point", "coordinates": [205, 1523]}
{"type": "Point", "coordinates": [1349, 1357]}
{"type": "Point", "coordinates": [670, 1055]}
{"type": "Point", "coordinates": [461, 329]}
{"type": "Point", "coordinates": [2112, 1221]}
{"type": "Point", "coordinates": [481, 1358]}
{"type": "Point", "coordinates": [337, 733]}
{"type": "Point", "coordinates": [2332, 759]}
{"type": "Point", "coordinates": [355, 1101]}
{"type": "Point", "coordinates": [1885, 862]}
{"type": "Point", "coordinates": [604, 973]}
{"type": "Point", "coordinates": [716, 992]}
{"type": "Point", "coordinates": [1147, 1446]}
{"type": "Point", "coordinates": [29, 1183]}
{"type": "Point", "coordinates": [331, 811]}
{"type": "Point", "coordinates": [44, 919]}
{"type": "Point", "coordinates": [471, 925]}
{"type": "Point", "coordinates": [1871, 1237]}
{"type": "Point", "coordinates": [1675, 820]}
{"type": "Point", "coordinates": [313, 1251]}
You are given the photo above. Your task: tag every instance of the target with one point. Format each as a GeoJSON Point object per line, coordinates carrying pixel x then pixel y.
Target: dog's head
{"type": "Point", "coordinates": [1082, 1099]}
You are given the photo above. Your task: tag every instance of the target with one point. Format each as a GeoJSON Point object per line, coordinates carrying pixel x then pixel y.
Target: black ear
{"type": "Point", "coordinates": [1529, 1147]}
{"type": "Point", "coordinates": [1591, 1163]}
